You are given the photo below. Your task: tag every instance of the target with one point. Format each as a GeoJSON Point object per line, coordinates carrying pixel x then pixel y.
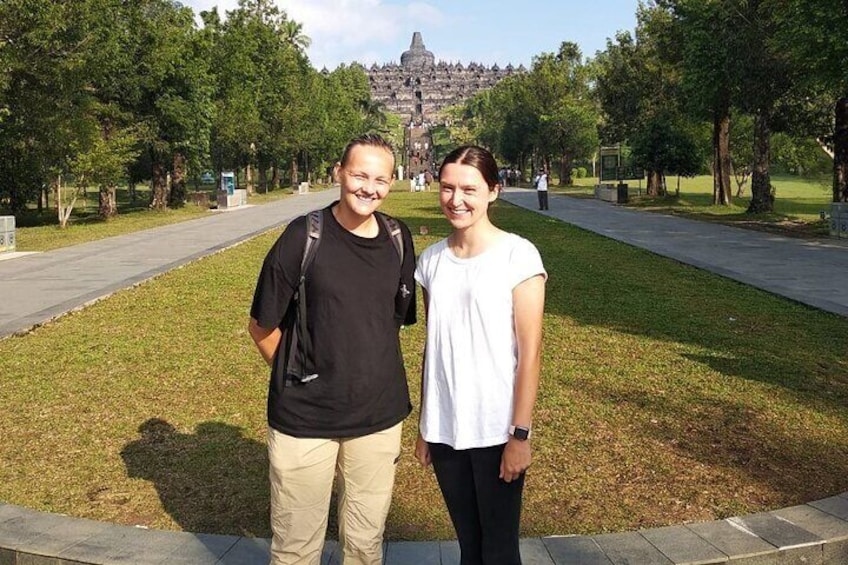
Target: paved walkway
{"type": "Point", "coordinates": [814, 272]}
{"type": "Point", "coordinates": [36, 288]}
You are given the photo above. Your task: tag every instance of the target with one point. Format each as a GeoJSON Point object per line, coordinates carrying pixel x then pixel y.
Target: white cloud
{"type": "Point", "coordinates": [357, 30]}
{"type": "Point", "coordinates": [342, 31]}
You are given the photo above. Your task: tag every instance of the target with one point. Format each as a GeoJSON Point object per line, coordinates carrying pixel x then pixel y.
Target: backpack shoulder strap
{"type": "Point", "coordinates": [314, 226]}
{"type": "Point", "coordinates": [393, 227]}
{"type": "Point", "coordinates": [299, 353]}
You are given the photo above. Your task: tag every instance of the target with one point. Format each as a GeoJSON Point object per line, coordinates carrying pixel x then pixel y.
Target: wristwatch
{"type": "Point", "coordinates": [519, 432]}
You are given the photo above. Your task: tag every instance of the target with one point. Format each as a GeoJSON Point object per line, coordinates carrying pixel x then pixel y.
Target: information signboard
{"type": "Point", "coordinates": [614, 168]}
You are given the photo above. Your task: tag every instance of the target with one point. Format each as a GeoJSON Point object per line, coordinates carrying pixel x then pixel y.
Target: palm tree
{"type": "Point", "coordinates": [293, 34]}
{"type": "Point", "coordinates": [374, 113]}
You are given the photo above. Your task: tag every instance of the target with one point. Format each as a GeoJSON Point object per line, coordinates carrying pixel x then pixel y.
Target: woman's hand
{"type": "Point", "coordinates": [515, 459]}
{"type": "Point", "coordinates": [422, 451]}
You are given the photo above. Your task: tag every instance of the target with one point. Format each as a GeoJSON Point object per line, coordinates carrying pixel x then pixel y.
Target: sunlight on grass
{"type": "Point", "coordinates": [799, 202]}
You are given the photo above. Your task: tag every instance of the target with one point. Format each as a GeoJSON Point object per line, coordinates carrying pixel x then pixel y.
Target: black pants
{"type": "Point", "coordinates": [543, 199]}
{"type": "Point", "coordinates": [484, 509]}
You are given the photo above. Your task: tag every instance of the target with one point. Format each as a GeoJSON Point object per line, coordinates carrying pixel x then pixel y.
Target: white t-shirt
{"type": "Point", "coordinates": [471, 352]}
{"type": "Point", "coordinates": [542, 182]}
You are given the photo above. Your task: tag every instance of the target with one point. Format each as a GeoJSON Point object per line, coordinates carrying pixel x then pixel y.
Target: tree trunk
{"type": "Point", "coordinates": [275, 176]}
{"type": "Point", "coordinates": [762, 199]}
{"type": "Point", "coordinates": [722, 163]}
{"type": "Point", "coordinates": [294, 175]}
{"type": "Point", "coordinates": [263, 181]}
{"type": "Point", "coordinates": [177, 196]}
{"type": "Point", "coordinates": [565, 169]}
{"type": "Point", "coordinates": [248, 178]}
{"type": "Point", "coordinates": [57, 198]}
{"type": "Point", "coordinates": [131, 190]}
{"type": "Point", "coordinates": [107, 207]}
{"type": "Point", "coordinates": [655, 183]}
{"type": "Point", "coordinates": [159, 192]}
{"type": "Point", "coordinates": [263, 177]}
{"type": "Point", "coordinates": [840, 152]}
{"type": "Point", "coordinates": [64, 209]}
{"type": "Point", "coordinates": [54, 188]}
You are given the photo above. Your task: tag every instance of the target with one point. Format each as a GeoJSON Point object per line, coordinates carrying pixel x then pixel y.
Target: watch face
{"type": "Point", "coordinates": [521, 433]}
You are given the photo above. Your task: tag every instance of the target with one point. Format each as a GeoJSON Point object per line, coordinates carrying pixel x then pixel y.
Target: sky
{"type": "Point", "coordinates": [487, 32]}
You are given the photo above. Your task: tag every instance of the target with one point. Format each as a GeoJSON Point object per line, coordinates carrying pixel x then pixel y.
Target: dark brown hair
{"type": "Point", "coordinates": [370, 140]}
{"type": "Point", "coordinates": [477, 157]}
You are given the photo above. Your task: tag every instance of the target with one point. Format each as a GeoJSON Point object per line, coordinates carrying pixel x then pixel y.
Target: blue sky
{"type": "Point", "coordinates": [497, 31]}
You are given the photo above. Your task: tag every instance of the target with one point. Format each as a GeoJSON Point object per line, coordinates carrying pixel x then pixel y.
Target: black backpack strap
{"type": "Point", "coordinates": [296, 366]}
{"type": "Point", "coordinates": [314, 225]}
{"type": "Point", "coordinates": [393, 227]}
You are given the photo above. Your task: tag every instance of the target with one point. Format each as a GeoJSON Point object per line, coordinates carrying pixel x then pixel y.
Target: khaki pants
{"type": "Point", "coordinates": [301, 473]}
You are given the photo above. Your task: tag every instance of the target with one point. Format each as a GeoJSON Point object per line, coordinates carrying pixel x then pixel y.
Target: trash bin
{"type": "Point", "coordinates": [621, 193]}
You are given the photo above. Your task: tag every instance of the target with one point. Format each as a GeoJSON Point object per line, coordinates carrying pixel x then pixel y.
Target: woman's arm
{"type": "Point", "coordinates": [528, 303]}
{"type": "Point", "coordinates": [267, 341]}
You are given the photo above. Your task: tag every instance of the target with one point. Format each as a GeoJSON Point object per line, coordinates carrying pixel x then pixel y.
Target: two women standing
{"type": "Point", "coordinates": [484, 293]}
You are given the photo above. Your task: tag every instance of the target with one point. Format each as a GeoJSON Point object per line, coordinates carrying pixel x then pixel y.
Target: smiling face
{"type": "Point", "coordinates": [365, 179]}
{"type": "Point", "coordinates": [464, 195]}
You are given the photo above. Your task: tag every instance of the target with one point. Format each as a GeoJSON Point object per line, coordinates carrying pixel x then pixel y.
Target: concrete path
{"type": "Point", "coordinates": [36, 288]}
{"type": "Point", "coordinates": [808, 271]}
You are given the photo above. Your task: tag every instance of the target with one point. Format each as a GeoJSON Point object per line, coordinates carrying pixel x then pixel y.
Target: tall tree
{"type": "Point", "coordinates": [765, 77]}
{"type": "Point", "coordinates": [567, 114]}
{"type": "Point", "coordinates": [668, 144]}
{"type": "Point", "coordinates": [173, 94]}
{"type": "Point", "coordinates": [293, 34]}
{"type": "Point", "coordinates": [64, 63]}
{"type": "Point", "coordinates": [709, 83]}
{"type": "Point", "coordinates": [811, 33]}
{"type": "Point", "coordinates": [44, 49]}
{"type": "Point", "coordinates": [638, 84]}
{"type": "Point", "coordinates": [237, 119]}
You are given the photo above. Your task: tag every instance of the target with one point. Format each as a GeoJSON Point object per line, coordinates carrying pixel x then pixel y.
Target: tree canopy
{"type": "Point", "coordinates": [102, 91]}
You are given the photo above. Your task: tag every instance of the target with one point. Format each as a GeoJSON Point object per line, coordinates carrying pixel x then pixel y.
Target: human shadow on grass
{"type": "Point", "coordinates": [213, 481]}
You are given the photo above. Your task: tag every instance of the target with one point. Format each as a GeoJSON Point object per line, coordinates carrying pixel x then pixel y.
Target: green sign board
{"type": "Point", "coordinates": [609, 167]}
{"type": "Point", "coordinates": [614, 168]}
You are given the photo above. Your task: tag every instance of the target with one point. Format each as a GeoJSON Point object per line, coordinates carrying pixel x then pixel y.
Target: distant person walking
{"type": "Point", "coordinates": [484, 293]}
{"type": "Point", "coordinates": [340, 412]}
{"type": "Point", "coordinates": [541, 182]}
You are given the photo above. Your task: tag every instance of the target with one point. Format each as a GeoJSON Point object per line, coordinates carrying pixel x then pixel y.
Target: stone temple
{"type": "Point", "coordinates": [419, 87]}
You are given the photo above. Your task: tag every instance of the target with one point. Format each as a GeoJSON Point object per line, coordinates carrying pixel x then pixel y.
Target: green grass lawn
{"type": "Point", "coordinates": [668, 395]}
{"type": "Point", "coordinates": [798, 202]}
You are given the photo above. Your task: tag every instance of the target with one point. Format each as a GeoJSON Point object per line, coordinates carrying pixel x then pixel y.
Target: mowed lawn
{"type": "Point", "coordinates": [798, 202]}
{"type": "Point", "coordinates": [669, 395]}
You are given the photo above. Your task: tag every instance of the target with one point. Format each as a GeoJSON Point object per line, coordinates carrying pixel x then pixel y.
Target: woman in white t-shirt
{"type": "Point", "coordinates": [484, 291]}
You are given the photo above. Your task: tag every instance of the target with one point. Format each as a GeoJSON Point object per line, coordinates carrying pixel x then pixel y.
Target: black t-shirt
{"type": "Point", "coordinates": [358, 296]}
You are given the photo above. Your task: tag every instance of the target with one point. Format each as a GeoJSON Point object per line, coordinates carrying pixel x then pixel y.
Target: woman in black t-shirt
{"type": "Point", "coordinates": [360, 290]}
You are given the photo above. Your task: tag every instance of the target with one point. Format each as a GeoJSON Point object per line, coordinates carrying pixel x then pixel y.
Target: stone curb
{"type": "Point", "coordinates": [815, 533]}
